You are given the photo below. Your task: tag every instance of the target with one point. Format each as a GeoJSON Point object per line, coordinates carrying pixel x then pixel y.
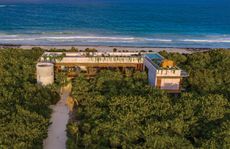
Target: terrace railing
{"type": "Point", "coordinates": [101, 60]}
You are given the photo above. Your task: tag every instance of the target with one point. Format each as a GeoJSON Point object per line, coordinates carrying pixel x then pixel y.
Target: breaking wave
{"type": "Point", "coordinates": [207, 40]}
{"type": "Point", "coordinates": [89, 37]}
{"type": "Point", "coordinates": [164, 41]}
{"type": "Point", "coordinates": [85, 38]}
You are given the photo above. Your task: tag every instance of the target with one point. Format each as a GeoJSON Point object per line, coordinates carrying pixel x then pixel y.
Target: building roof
{"type": "Point", "coordinates": [92, 57]}
{"type": "Point", "coordinates": [157, 60]}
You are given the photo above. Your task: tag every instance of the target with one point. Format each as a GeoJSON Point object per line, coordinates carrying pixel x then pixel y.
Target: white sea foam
{"type": "Point", "coordinates": [160, 40]}
{"type": "Point", "coordinates": [207, 40]}
{"type": "Point", "coordinates": [102, 39]}
{"type": "Point", "coordinates": [87, 37]}
{"type": "Point", "coordinates": [8, 36]}
{"type": "Point", "coordinates": [66, 38]}
{"type": "Point", "coordinates": [129, 40]}
{"type": "Point", "coordinates": [17, 39]}
{"type": "Point", "coordinates": [109, 41]}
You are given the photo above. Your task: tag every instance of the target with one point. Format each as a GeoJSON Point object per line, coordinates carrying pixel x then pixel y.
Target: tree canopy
{"type": "Point", "coordinates": [209, 71]}
{"type": "Point", "coordinates": [24, 105]}
{"type": "Point", "coordinates": [118, 110]}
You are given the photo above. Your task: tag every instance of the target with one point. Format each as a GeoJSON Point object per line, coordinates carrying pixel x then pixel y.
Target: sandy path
{"type": "Point", "coordinates": [57, 130]}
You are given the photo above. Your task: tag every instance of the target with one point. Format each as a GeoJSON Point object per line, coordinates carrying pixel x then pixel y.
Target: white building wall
{"type": "Point", "coordinates": [152, 77]}
{"type": "Point", "coordinates": [151, 72]}
{"type": "Point", "coordinates": [170, 83]}
{"type": "Point", "coordinates": [166, 83]}
{"type": "Point", "coordinates": [45, 73]}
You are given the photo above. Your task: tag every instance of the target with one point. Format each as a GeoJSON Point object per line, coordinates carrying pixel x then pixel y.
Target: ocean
{"type": "Point", "coordinates": [165, 23]}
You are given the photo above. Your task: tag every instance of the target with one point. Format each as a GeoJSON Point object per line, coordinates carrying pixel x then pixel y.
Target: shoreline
{"type": "Point", "coordinates": [110, 48]}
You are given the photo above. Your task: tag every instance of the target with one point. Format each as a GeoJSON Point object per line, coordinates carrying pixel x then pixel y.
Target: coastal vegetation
{"type": "Point", "coordinates": [24, 105]}
{"type": "Point", "coordinates": [209, 71]}
{"type": "Point", "coordinates": [116, 110]}
{"type": "Point", "coordinates": [72, 49]}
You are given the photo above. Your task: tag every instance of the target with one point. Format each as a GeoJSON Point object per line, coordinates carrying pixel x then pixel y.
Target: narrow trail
{"type": "Point", "coordinates": [57, 130]}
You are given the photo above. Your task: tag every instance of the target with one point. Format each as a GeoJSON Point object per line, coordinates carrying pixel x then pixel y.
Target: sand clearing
{"type": "Point", "coordinates": [57, 130]}
{"type": "Point", "coordinates": [120, 48]}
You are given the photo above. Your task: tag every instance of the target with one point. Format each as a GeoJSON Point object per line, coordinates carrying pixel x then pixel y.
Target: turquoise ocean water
{"type": "Point", "coordinates": [168, 23]}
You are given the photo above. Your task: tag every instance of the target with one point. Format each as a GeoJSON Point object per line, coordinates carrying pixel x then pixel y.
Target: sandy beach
{"type": "Point", "coordinates": [110, 48]}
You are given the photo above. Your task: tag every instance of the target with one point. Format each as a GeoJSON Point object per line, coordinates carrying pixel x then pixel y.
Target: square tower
{"type": "Point", "coordinates": [163, 73]}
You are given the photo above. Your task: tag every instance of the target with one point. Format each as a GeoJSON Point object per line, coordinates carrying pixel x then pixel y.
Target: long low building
{"type": "Point", "coordinates": [162, 73]}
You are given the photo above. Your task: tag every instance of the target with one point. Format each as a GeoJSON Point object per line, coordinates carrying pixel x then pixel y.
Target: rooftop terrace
{"type": "Point", "coordinates": [92, 57]}
{"type": "Point", "coordinates": [156, 59]}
